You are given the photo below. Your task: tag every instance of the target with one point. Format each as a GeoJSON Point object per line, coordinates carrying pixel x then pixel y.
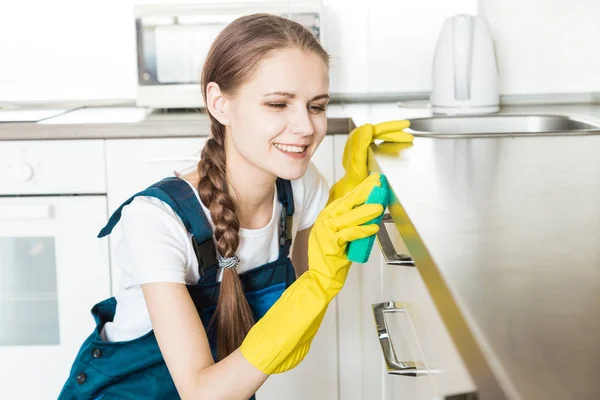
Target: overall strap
{"type": "Point", "coordinates": [181, 198]}
{"type": "Point", "coordinates": [286, 198]}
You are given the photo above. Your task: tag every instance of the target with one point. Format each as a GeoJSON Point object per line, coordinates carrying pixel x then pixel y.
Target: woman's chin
{"type": "Point", "coordinates": [291, 172]}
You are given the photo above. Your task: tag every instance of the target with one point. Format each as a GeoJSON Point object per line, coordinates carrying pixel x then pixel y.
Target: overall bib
{"type": "Point", "coordinates": [135, 369]}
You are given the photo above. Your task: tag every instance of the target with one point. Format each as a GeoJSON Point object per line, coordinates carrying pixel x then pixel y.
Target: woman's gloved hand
{"type": "Point", "coordinates": [355, 153]}
{"type": "Point", "coordinates": [281, 338]}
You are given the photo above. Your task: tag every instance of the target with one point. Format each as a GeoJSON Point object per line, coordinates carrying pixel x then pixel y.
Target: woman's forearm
{"type": "Point", "coordinates": [232, 378]}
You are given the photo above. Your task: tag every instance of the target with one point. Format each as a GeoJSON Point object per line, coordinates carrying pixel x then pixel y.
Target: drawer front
{"type": "Point", "coordinates": [52, 167]}
{"type": "Point", "coordinates": [405, 374]}
{"type": "Point", "coordinates": [441, 358]}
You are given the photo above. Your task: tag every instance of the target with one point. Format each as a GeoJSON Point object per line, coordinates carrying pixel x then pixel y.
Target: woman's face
{"type": "Point", "coordinates": [277, 119]}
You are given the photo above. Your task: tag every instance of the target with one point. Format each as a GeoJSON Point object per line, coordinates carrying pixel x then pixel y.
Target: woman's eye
{"type": "Point", "coordinates": [277, 105]}
{"type": "Point", "coordinates": [317, 109]}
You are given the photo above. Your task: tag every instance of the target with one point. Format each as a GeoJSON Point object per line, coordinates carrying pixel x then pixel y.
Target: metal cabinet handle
{"type": "Point", "coordinates": [404, 368]}
{"type": "Point", "coordinates": [387, 247]}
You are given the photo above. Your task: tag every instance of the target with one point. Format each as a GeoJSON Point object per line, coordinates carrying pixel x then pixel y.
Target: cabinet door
{"type": "Point", "coordinates": [447, 371]}
{"type": "Point", "coordinates": [361, 364]}
{"type": "Point", "coordinates": [403, 342]}
{"type": "Point", "coordinates": [363, 372]}
{"type": "Point", "coordinates": [134, 164]}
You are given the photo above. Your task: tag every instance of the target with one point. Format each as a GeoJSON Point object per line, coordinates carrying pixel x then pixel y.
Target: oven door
{"type": "Point", "coordinates": [53, 269]}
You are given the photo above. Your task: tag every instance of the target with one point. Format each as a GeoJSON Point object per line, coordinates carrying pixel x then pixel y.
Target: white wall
{"type": "Point", "coordinates": [546, 46]}
{"type": "Point", "coordinates": [78, 49]}
{"type": "Point", "coordinates": [84, 49]}
{"type": "Point", "coordinates": [386, 45]}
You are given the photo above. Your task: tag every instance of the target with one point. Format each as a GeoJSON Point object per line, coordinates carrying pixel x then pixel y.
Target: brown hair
{"type": "Point", "coordinates": [231, 61]}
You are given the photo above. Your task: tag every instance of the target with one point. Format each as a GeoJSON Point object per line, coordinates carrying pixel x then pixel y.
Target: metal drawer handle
{"type": "Point", "coordinates": [404, 368]}
{"type": "Point", "coordinates": [387, 247]}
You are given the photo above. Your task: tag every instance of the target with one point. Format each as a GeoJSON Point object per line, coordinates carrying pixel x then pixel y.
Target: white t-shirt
{"type": "Point", "coordinates": [155, 247]}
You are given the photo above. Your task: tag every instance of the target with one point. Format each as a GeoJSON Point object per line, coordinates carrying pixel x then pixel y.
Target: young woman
{"type": "Point", "coordinates": [210, 303]}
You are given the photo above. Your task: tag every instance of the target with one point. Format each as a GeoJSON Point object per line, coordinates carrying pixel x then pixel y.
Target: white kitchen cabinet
{"type": "Point", "coordinates": [361, 366]}
{"type": "Point", "coordinates": [53, 268]}
{"type": "Point", "coordinates": [403, 343]}
{"type": "Point", "coordinates": [416, 330]}
{"type": "Point", "coordinates": [134, 164]}
{"type": "Point", "coordinates": [363, 372]}
{"type": "Point", "coordinates": [437, 352]}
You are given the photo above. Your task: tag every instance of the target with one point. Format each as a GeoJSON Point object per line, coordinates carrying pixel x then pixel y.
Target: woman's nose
{"type": "Point", "coordinates": [302, 124]}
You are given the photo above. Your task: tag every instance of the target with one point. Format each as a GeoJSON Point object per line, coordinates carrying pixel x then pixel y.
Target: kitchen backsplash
{"type": "Point", "coordinates": [77, 49]}
{"type": "Point", "coordinates": [545, 46]}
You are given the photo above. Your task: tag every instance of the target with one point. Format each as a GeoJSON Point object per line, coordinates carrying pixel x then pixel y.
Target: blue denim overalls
{"type": "Point", "coordinates": [135, 369]}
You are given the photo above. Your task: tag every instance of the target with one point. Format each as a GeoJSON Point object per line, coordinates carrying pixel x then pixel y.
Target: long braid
{"type": "Point", "coordinates": [233, 315]}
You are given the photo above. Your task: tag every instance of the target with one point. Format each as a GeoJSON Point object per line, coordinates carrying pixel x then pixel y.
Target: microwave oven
{"type": "Point", "coordinates": [173, 40]}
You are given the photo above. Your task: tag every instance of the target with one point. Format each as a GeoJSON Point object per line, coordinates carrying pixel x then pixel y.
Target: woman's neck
{"type": "Point", "coordinates": [252, 191]}
{"type": "Point", "coordinates": [253, 201]}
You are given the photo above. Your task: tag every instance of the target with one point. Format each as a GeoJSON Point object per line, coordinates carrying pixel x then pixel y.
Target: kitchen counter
{"type": "Point", "coordinates": [505, 233]}
{"type": "Point", "coordinates": [126, 122]}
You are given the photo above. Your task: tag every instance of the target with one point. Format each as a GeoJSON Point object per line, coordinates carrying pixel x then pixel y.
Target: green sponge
{"type": "Point", "coordinates": [359, 250]}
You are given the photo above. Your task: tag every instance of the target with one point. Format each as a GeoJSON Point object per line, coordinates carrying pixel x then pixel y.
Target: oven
{"type": "Point", "coordinates": [53, 268]}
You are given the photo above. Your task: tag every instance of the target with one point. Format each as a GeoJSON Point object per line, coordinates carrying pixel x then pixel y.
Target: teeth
{"type": "Point", "coordinates": [290, 149]}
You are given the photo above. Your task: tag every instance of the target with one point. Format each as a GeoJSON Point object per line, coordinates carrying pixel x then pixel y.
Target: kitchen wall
{"type": "Point", "coordinates": [386, 45]}
{"type": "Point", "coordinates": [545, 46]}
{"type": "Point", "coordinates": [75, 49]}
{"type": "Point", "coordinates": [78, 49]}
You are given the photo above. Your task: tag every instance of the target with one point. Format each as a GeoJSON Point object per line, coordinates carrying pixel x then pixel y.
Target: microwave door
{"type": "Point", "coordinates": [181, 51]}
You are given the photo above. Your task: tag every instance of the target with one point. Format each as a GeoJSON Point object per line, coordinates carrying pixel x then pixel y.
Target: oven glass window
{"type": "Point", "coordinates": [28, 291]}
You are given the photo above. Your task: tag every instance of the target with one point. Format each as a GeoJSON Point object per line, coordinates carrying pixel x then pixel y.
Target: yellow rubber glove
{"type": "Point", "coordinates": [355, 152]}
{"type": "Point", "coordinates": [281, 338]}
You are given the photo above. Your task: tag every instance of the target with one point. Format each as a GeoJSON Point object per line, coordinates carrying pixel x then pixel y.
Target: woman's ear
{"type": "Point", "coordinates": [215, 103]}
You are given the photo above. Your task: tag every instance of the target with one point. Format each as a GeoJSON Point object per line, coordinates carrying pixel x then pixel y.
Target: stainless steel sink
{"type": "Point", "coordinates": [503, 125]}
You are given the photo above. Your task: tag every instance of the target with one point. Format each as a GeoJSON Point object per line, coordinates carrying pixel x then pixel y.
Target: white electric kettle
{"type": "Point", "coordinates": [465, 74]}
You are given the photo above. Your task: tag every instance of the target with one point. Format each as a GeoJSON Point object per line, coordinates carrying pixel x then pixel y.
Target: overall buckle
{"type": "Point", "coordinates": [206, 253]}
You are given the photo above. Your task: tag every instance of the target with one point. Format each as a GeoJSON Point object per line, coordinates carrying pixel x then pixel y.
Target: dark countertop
{"type": "Point", "coordinates": [505, 233]}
